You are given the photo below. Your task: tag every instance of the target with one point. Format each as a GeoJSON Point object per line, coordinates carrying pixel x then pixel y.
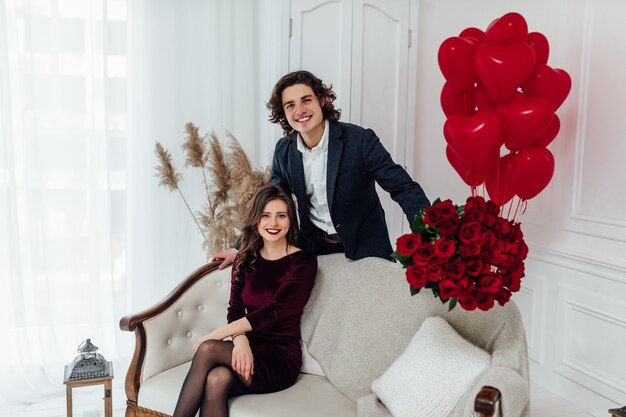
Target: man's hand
{"type": "Point", "coordinates": [228, 255]}
{"type": "Point", "coordinates": [242, 360]}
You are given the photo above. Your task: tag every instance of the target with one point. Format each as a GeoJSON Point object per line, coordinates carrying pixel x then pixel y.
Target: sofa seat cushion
{"type": "Point", "coordinates": [311, 396]}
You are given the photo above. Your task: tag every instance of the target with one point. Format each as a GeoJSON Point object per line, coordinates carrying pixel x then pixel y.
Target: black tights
{"type": "Point", "coordinates": [209, 382]}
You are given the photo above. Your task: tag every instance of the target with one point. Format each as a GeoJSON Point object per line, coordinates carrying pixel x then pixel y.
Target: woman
{"type": "Point", "coordinates": [271, 280]}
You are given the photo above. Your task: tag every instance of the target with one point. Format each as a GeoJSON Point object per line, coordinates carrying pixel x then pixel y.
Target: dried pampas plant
{"type": "Point", "coordinates": [169, 178]}
{"type": "Point", "coordinates": [231, 185]}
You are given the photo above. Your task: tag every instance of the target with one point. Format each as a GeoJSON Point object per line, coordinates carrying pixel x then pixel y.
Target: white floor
{"type": "Point", "coordinates": [88, 403]}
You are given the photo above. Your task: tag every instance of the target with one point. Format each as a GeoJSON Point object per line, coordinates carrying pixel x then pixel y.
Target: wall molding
{"type": "Point", "coordinates": [579, 263]}
{"type": "Point", "coordinates": [580, 372]}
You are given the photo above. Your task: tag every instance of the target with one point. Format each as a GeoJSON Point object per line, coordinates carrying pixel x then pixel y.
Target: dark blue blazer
{"type": "Point", "coordinates": [356, 159]}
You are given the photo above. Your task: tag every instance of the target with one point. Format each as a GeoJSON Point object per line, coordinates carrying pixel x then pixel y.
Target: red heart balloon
{"type": "Point", "coordinates": [474, 138]}
{"type": "Point", "coordinates": [471, 177]}
{"type": "Point", "coordinates": [456, 62]}
{"type": "Point", "coordinates": [548, 135]}
{"type": "Point", "coordinates": [510, 28]}
{"type": "Point", "coordinates": [503, 68]}
{"type": "Point", "coordinates": [540, 45]}
{"type": "Point", "coordinates": [553, 84]}
{"type": "Point", "coordinates": [498, 181]}
{"type": "Point", "coordinates": [473, 33]}
{"type": "Point", "coordinates": [457, 102]}
{"type": "Point", "coordinates": [483, 99]}
{"type": "Point", "coordinates": [531, 171]}
{"type": "Point", "coordinates": [524, 119]}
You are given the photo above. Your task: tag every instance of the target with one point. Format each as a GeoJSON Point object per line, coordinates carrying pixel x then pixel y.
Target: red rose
{"type": "Point", "coordinates": [474, 267]}
{"type": "Point", "coordinates": [456, 269]}
{"type": "Point", "coordinates": [503, 296]}
{"type": "Point", "coordinates": [488, 238]}
{"type": "Point", "coordinates": [472, 216]}
{"type": "Point", "coordinates": [446, 209]}
{"type": "Point", "coordinates": [448, 289]}
{"type": "Point", "coordinates": [502, 227]}
{"type": "Point", "coordinates": [516, 232]}
{"type": "Point", "coordinates": [423, 254]}
{"type": "Point", "coordinates": [492, 208]}
{"type": "Point", "coordinates": [444, 248]}
{"type": "Point", "coordinates": [485, 300]}
{"type": "Point", "coordinates": [466, 287]}
{"type": "Point", "coordinates": [476, 203]}
{"type": "Point", "coordinates": [517, 269]}
{"type": "Point", "coordinates": [448, 226]}
{"type": "Point", "coordinates": [407, 244]}
{"type": "Point", "coordinates": [470, 232]}
{"type": "Point", "coordinates": [436, 272]}
{"type": "Point", "coordinates": [512, 282]}
{"type": "Point", "coordinates": [468, 302]}
{"type": "Point", "coordinates": [490, 283]}
{"type": "Point", "coordinates": [487, 219]}
{"type": "Point", "coordinates": [511, 248]}
{"type": "Point", "coordinates": [416, 276]}
{"type": "Point", "coordinates": [522, 250]}
{"type": "Point", "coordinates": [469, 250]}
{"type": "Point", "coordinates": [431, 216]}
{"type": "Point", "coordinates": [492, 255]}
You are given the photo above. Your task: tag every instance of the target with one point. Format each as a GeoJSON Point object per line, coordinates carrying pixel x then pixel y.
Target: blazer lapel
{"type": "Point", "coordinates": [335, 149]}
{"type": "Point", "coordinates": [297, 176]}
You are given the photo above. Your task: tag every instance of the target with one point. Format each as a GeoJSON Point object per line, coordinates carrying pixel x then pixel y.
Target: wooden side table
{"type": "Point", "coordinates": [107, 381]}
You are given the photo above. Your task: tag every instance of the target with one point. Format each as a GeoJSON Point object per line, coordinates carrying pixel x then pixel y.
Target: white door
{"type": "Point", "coordinates": [380, 55]}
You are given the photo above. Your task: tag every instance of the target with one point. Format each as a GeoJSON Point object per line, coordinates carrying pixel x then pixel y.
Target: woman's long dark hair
{"type": "Point", "coordinates": [324, 93]}
{"type": "Point", "coordinates": [250, 240]}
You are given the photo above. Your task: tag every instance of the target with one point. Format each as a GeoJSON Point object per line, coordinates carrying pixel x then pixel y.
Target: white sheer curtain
{"type": "Point", "coordinates": [86, 88]}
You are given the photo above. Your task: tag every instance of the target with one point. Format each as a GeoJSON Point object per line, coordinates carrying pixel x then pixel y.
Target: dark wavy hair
{"type": "Point", "coordinates": [323, 92]}
{"type": "Point", "coordinates": [250, 240]}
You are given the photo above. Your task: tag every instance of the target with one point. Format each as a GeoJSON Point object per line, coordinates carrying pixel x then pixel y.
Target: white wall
{"type": "Point", "coordinates": [573, 298]}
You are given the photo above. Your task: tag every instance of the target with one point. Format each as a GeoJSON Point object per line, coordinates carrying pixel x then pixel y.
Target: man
{"type": "Point", "coordinates": [331, 167]}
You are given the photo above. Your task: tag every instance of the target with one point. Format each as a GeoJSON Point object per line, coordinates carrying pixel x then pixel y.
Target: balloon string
{"type": "Point", "coordinates": [516, 210]}
{"type": "Point", "coordinates": [508, 214]}
{"type": "Point", "coordinates": [525, 207]}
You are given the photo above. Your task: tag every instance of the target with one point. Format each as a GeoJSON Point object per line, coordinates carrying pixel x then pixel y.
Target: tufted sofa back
{"type": "Point", "coordinates": [200, 310]}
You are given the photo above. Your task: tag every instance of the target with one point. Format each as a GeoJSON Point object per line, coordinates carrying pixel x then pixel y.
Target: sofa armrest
{"type": "Point", "coordinates": [486, 403]}
{"type": "Point", "coordinates": [165, 332]}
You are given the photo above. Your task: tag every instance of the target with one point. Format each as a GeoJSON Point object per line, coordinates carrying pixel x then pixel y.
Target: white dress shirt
{"type": "Point", "coordinates": [314, 162]}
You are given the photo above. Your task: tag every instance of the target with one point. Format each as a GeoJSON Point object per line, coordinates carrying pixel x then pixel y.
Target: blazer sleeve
{"type": "Point", "coordinates": [292, 295]}
{"type": "Point", "coordinates": [392, 177]}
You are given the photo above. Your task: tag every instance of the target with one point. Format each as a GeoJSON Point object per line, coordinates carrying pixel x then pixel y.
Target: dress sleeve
{"type": "Point", "coordinates": [236, 309]}
{"type": "Point", "coordinates": [292, 295]}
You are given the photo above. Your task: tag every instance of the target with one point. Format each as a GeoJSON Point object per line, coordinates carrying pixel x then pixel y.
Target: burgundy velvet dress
{"type": "Point", "coordinates": [272, 295]}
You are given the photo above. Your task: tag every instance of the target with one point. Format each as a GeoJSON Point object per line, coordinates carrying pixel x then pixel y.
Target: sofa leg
{"type": "Point", "coordinates": [487, 401]}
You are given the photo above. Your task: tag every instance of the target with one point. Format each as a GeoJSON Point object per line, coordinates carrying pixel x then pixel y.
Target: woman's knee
{"type": "Point", "coordinates": [208, 348]}
{"type": "Point", "coordinates": [219, 380]}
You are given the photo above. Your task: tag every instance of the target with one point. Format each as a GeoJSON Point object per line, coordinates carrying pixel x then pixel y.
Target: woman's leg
{"type": "Point", "coordinates": [210, 354]}
{"type": "Point", "coordinates": [221, 384]}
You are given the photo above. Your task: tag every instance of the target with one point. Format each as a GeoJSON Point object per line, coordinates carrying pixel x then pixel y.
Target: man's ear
{"type": "Point", "coordinates": [322, 101]}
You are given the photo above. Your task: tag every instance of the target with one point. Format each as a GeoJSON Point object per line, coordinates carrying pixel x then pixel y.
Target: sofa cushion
{"type": "Point", "coordinates": [432, 373]}
{"type": "Point", "coordinates": [311, 396]}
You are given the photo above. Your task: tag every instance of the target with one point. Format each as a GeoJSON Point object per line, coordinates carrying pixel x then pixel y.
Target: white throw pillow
{"type": "Point", "coordinates": [432, 373]}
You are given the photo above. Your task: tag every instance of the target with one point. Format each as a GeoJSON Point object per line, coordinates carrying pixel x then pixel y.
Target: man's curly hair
{"type": "Point", "coordinates": [323, 92]}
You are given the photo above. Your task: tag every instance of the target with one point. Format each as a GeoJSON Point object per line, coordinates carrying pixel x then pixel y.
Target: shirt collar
{"type": "Point", "coordinates": [322, 146]}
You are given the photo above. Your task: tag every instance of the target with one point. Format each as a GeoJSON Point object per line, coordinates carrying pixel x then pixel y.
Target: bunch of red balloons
{"type": "Point", "coordinates": [500, 90]}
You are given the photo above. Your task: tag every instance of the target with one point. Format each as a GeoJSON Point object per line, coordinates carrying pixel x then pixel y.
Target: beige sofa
{"type": "Point", "coordinates": [359, 319]}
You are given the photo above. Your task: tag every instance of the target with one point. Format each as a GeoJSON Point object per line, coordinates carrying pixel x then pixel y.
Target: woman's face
{"type": "Point", "coordinates": [274, 223]}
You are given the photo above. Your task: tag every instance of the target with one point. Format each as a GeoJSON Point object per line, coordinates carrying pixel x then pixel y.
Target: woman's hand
{"type": "Point", "coordinates": [242, 360]}
{"type": "Point", "coordinates": [210, 336]}
{"type": "Point", "coordinates": [228, 256]}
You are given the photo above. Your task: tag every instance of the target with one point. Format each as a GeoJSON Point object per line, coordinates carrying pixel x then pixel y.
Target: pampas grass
{"type": "Point", "coordinates": [231, 185]}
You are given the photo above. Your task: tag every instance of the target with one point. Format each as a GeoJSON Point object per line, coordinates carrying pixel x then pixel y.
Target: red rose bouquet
{"type": "Point", "coordinates": [467, 254]}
